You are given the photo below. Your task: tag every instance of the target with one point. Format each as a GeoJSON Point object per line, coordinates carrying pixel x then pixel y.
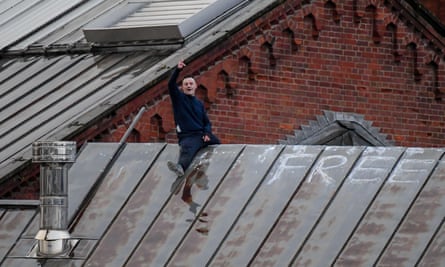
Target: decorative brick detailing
{"type": "Point", "coordinates": [290, 26]}
{"type": "Point", "coordinates": [246, 54]}
{"type": "Point", "coordinates": [288, 58]}
{"type": "Point", "coordinates": [218, 78]}
{"type": "Point", "coordinates": [433, 61]}
{"type": "Point", "coordinates": [337, 8]}
{"type": "Point", "coordinates": [338, 128]}
{"type": "Point", "coordinates": [312, 13]}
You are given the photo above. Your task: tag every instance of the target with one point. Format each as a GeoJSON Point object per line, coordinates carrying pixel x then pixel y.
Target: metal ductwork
{"type": "Point", "coordinates": [55, 158]}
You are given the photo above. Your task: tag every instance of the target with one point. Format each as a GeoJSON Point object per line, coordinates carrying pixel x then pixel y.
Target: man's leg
{"type": "Point", "coordinates": [189, 147]}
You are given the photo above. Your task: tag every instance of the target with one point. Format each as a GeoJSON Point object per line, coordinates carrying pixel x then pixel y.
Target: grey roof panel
{"type": "Point", "coordinates": [66, 25]}
{"type": "Point", "coordinates": [86, 172]}
{"type": "Point", "coordinates": [135, 219]}
{"type": "Point", "coordinates": [435, 255]}
{"type": "Point", "coordinates": [12, 223]}
{"type": "Point", "coordinates": [26, 17]}
{"type": "Point", "coordinates": [120, 181]}
{"type": "Point", "coordinates": [45, 95]}
{"type": "Point", "coordinates": [391, 205]}
{"type": "Point", "coordinates": [420, 224]}
{"type": "Point", "coordinates": [177, 216]}
{"type": "Point", "coordinates": [352, 199]}
{"type": "Point", "coordinates": [309, 202]}
{"type": "Point", "coordinates": [222, 210]}
{"type": "Point", "coordinates": [264, 205]}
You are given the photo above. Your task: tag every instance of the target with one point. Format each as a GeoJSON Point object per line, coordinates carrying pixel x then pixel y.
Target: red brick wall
{"type": "Point", "coordinates": [286, 67]}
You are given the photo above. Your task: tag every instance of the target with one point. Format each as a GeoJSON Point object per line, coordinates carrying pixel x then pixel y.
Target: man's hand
{"type": "Point", "coordinates": [206, 138]}
{"type": "Point", "coordinates": [181, 64]}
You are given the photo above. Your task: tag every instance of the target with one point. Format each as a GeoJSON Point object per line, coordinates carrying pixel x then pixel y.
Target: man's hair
{"type": "Point", "coordinates": [188, 76]}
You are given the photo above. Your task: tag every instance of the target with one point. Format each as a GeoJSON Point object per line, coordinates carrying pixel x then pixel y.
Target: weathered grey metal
{"type": "Point", "coordinates": [246, 205]}
{"type": "Point", "coordinates": [41, 94]}
{"type": "Point", "coordinates": [221, 211]}
{"type": "Point", "coordinates": [25, 17]}
{"type": "Point", "coordinates": [156, 20]}
{"type": "Point", "coordinates": [179, 213]}
{"type": "Point", "coordinates": [392, 202]}
{"type": "Point", "coordinates": [54, 157]}
{"type": "Point", "coordinates": [132, 125]}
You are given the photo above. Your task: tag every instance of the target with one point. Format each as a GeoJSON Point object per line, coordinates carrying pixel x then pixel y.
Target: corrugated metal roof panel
{"type": "Point", "coordinates": [26, 17]}
{"type": "Point", "coordinates": [41, 95]}
{"type": "Point", "coordinates": [59, 31]}
{"type": "Point", "coordinates": [259, 205]}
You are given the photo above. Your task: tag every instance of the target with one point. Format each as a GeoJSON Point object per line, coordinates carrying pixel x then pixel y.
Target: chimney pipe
{"type": "Point", "coordinates": [55, 158]}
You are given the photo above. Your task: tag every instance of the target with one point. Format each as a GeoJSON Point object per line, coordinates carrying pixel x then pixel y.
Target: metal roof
{"type": "Point", "coordinates": [53, 85]}
{"type": "Point", "coordinates": [239, 205]}
{"type": "Point", "coordinates": [157, 19]}
{"type": "Point", "coordinates": [42, 95]}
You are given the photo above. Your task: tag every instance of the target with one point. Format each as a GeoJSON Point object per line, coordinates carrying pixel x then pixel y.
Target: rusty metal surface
{"type": "Point", "coordinates": [435, 255]}
{"type": "Point", "coordinates": [420, 223]}
{"type": "Point", "coordinates": [138, 214]}
{"type": "Point", "coordinates": [119, 183]}
{"type": "Point", "coordinates": [389, 207]}
{"type": "Point", "coordinates": [248, 205]}
{"type": "Point", "coordinates": [221, 212]}
{"type": "Point", "coordinates": [307, 205]}
{"type": "Point", "coordinates": [12, 223]}
{"type": "Point", "coordinates": [347, 206]}
{"type": "Point", "coordinates": [175, 219]}
{"type": "Point", "coordinates": [265, 205]}
{"type": "Point", "coordinates": [90, 164]}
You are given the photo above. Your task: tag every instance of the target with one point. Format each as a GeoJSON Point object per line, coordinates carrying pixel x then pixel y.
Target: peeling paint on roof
{"type": "Point", "coordinates": [239, 205]}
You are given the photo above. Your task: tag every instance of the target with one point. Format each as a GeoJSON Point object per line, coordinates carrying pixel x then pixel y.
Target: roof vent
{"type": "Point", "coordinates": [156, 20]}
{"type": "Point", "coordinates": [54, 157]}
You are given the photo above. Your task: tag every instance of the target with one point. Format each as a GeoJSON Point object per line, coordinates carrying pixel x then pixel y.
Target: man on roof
{"type": "Point", "coordinates": [193, 126]}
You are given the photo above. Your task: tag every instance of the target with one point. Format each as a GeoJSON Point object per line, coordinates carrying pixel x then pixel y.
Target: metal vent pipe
{"type": "Point", "coordinates": [54, 158]}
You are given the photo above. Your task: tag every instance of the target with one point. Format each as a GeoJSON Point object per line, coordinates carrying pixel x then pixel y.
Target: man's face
{"type": "Point", "coordinates": [189, 86]}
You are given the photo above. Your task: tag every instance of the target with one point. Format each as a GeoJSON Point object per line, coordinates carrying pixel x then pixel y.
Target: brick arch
{"type": "Point", "coordinates": [311, 14]}
{"type": "Point", "coordinates": [246, 53]}
{"type": "Point", "coordinates": [412, 48]}
{"type": "Point", "coordinates": [219, 77]}
{"type": "Point", "coordinates": [289, 26]}
{"type": "Point", "coordinates": [135, 136]}
{"type": "Point", "coordinates": [157, 131]}
{"type": "Point", "coordinates": [391, 25]}
{"type": "Point", "coordinates": [433, 61]}
{"type": "Point", "coordinates": [432, 58]}
{"type": "Point", "coordinates": [267, 41]}
{"type": "Point", "coordinates": [337, 9]}
{"type": "Point", "coordinates": [157, 121]}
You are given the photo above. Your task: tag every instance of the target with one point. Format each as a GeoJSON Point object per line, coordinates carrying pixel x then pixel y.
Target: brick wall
{"type": "Point", "coordinates": [301, 58]}
{"type": "Point", "coordinates": [282, 70]}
